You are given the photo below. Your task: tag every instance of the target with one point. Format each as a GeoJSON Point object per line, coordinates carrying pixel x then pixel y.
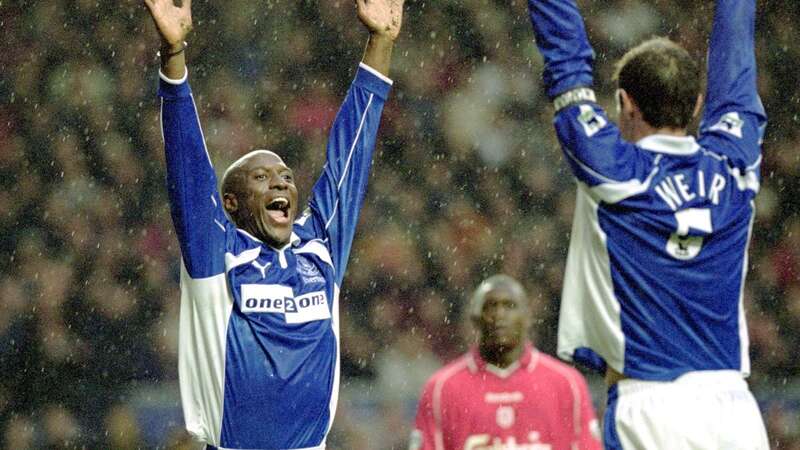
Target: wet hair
{"type": "Point", "coordinates": [499, 281]}
{"type": "Point", "coordinates": [664, 81]}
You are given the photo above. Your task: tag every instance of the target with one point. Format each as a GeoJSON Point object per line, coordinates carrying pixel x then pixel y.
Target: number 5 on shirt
{"type": "Point", "coordinates": [682, 246]}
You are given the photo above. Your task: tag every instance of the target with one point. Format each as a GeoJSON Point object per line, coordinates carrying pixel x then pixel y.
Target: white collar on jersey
{"type": "Point", "coordinates": [503, 372]}
{"type": "Point", "coordinates": [530, 354]}
{"type": "Point", "coordinates": [671, 145]}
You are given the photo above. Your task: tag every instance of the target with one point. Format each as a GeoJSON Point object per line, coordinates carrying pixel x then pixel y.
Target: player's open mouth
{"type": "Point", "coordinates": [278, 209]}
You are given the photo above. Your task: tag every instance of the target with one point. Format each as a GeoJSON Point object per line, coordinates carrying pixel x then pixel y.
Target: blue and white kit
{"type": "Point", "coordinates": [654, 279]}
{"type": "Point", "coordinates": [259, 343]}
{"type": "Point", "coordinates": [658, 251]}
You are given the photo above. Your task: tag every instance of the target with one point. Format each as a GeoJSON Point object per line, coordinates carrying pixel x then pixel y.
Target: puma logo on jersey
{"type": "Point", "coordinates": [279, 299]}
{"type": "Point", "coordinates": [261, 268]}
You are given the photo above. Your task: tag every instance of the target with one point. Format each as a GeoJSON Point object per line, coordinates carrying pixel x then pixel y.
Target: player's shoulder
{"type": "Point", "coordinates": [555, 365]}
{"type": "Point", "coordinates": [305, 226]}
{"type": "Point", "coordinates": [240, 242]}
{"type": "Point", "coordinates": [451, 372]}
{"type": "Point", "coordinates": [558, 370]}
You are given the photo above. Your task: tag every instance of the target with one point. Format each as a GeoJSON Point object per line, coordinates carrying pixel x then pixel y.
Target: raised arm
{"type": "Point", "coordinates": [591, 143]}
{"type": "Point", "coordinates": [734, 118]}
{"type": "Point", "coordinates": [173, 23]}
{"type": "Point", "coordinates": [200, 223]}
{"type": "Point", "coordinates": [338, 194]}
{"type": "Point", "coordinates": [383, 19]}
{"type": "Point", "coordinates": [561, 38]}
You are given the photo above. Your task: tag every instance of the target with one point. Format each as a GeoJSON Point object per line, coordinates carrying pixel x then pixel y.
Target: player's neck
{"type": "Point", "coordinates": [634, 127]}
{"type": "Point", "coordinates": [643, 130]}
{"type": "Point", "coordinates": [500, 356]}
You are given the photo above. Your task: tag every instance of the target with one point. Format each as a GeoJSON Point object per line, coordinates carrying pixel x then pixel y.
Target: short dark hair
{"type": "Point", "coordinates": [663, 79]}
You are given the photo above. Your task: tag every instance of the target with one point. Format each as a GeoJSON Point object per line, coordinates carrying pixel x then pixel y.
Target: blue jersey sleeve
{"type": "Point", "coordinates": [339, 193]}
{"type": "Point", "coordinates": [597, 154]}
{"type": "Point", "coordinates": [733, 120]}
{"type": "Point", "coordinates": [197, 214]}
{"type": "Point", "coordinates": [561, 38]}
{"type": "Point", "coordinates": [592, 144]}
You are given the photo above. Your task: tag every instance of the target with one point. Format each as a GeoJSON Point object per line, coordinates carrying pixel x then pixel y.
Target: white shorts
{"type": "Point", "coordinates": [704, 410]}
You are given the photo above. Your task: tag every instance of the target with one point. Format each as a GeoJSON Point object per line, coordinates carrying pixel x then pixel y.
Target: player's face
{"type": "Point", "coordinates": [270, 198]}
{"type": "Point", "coordinates": [503, 323]}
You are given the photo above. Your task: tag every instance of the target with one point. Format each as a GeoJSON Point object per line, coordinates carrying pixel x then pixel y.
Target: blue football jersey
{"type": "Point", "coordinates": [658, 248]}
{"type": "Point", "coordinates": [259, 329]}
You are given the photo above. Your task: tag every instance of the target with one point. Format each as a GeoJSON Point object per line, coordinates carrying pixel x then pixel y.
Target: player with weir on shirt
{"type": "Point", "coordinates": [259, 344]}
{"type": "Point", "coordinates": [504, 394]}
{"type": "Point", "coordinates": [658, 253]}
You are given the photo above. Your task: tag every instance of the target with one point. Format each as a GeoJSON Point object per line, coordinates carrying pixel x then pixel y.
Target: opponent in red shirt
{"type": "Point", "coordinates": [505, 394]}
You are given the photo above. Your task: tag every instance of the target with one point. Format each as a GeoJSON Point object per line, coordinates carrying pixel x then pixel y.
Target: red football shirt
{"type": "Point", "coordinates": [537, 403]}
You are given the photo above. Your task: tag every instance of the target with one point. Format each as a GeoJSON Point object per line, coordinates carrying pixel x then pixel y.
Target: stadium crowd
{"type": "Point", "coordinates": [468, 181]}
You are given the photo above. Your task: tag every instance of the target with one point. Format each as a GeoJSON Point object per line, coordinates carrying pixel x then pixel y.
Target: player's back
{"type": "Point", "coordinates": [658, 251]}
{"type": "Point", "coordinates": [657, 264]}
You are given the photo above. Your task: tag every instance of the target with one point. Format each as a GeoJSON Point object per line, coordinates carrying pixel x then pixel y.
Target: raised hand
{"type": "Point", "coordinates": [173, 22]}
{"type": "Point", "coordinates": [381, 17]}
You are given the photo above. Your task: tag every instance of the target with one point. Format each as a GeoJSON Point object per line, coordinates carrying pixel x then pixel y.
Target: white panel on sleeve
{"type": "Point", "coordinates": [244, 257]}
{"type": "Point", "coordinates": [590, 314]}
{"type": "Point", "coordinates": [744, 337]}
{"type": "Point", "coordinates": [316, 247]}
{"type": "Point", "coordinates": [206, 307]}
{"type": "Point", "coordinates": [618, 191]}
{"type": "Point", "coordinates": [335, 389]}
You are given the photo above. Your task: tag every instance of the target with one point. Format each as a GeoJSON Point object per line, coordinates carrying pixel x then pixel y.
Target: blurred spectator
{"type": "Point", "coordinates": [20, 433]}
{"type": "Point", "coordinates": [122, 428]}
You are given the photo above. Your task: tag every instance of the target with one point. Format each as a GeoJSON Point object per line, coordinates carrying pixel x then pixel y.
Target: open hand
{"type": "Point", "coordinates": [173, 22]}
{"type": "Point", "coordinates": [382, 17]}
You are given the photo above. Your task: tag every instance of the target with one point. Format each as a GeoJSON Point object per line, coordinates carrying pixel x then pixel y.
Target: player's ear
{"type": "Point", "coordinates": [230, 202]}
{"type": "Point", "coordinates": [627, 106]}
{"type": "Point", "coordinates": [698, 106]}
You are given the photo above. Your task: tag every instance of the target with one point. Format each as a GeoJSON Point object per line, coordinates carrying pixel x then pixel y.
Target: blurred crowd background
{"type": "Point", "coordinates": [468, 181]}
